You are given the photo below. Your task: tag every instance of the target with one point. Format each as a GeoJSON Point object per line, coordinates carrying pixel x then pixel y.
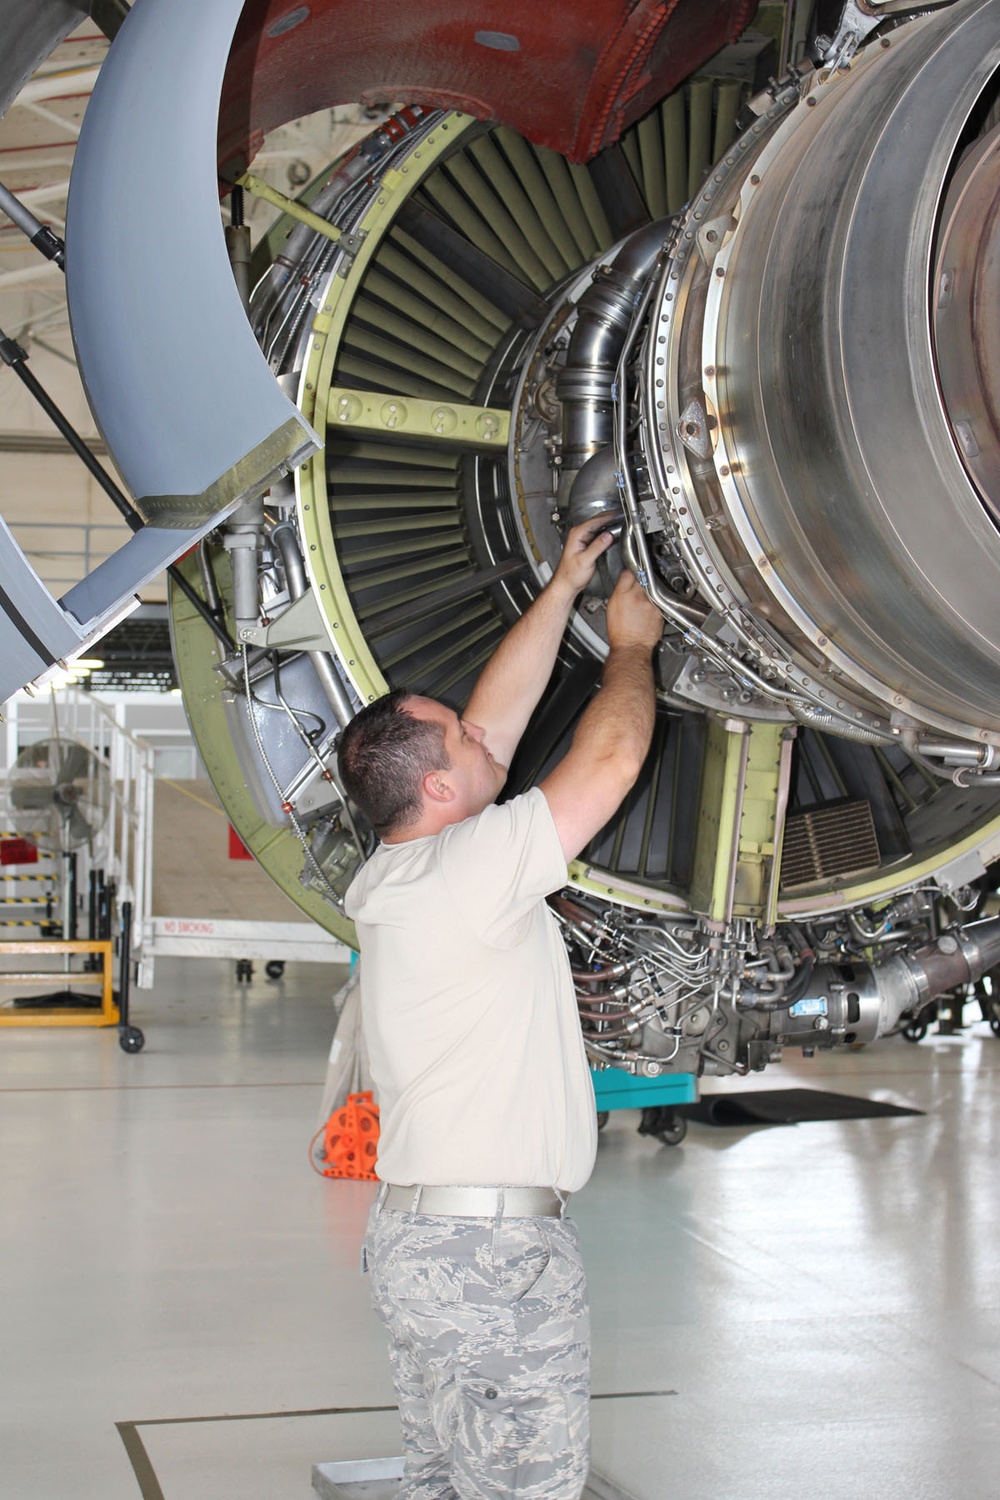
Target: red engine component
{"type": "Point", "coordinates": [564, 75]}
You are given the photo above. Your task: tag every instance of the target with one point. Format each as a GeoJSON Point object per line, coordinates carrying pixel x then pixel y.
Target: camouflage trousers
{"type": "Point", "coordinates": [489, 1338]}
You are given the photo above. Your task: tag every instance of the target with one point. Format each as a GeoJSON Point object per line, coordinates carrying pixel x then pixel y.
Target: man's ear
{"type": "Point", "coordinates": [437, 788]}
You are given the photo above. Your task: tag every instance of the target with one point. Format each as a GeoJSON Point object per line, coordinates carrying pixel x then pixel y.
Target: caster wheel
{"type": "Point", "coordinates": [664, 1125]}
{"type": "Point", "coordinates": [244, 971]}
{"type": "Point", "coordinates": [674, 1133]}
{"type": "Point", "coordinates": [603, 1115]}
{"type": "Point", "coordinates": [131, 1039]}
{"type": "Point", "coordinates": [995, 1025]}
{"type": "Point", "coordinates": [274, 969]}
{"type": "Point", "coordinates": [915, 1033]}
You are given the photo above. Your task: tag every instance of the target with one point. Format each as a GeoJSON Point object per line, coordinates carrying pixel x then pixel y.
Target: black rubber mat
{"type": "Point", "coordinates": [786, 1107]}
{"type": "Point", "coordinates": [60, 1000]}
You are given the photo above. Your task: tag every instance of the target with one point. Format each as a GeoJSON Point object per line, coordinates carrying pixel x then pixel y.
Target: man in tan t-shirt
{"type": "Point", "coordinates": [487, 1110]}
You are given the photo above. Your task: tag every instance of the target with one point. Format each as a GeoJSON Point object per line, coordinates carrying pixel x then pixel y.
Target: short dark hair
{"type": "Point", "coordinates": [383, 755]}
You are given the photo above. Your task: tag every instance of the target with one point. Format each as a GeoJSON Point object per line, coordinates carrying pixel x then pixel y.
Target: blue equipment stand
{"type": "Point", "coordinates": [656, 1097]}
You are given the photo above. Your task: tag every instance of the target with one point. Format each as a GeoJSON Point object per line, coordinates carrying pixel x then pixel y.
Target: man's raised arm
{"type": "Point", "coordinates": [612, 739]}
{"type": "Point", "coordinates": [514, 678]}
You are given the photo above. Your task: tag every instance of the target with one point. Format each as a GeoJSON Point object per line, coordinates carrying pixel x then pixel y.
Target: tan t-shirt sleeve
{"type": "Point", "coordinates": [499, 865]}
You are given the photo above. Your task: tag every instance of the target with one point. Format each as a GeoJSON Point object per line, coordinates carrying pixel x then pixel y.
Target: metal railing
{"type": "Point", "coordinates": [122, 847]}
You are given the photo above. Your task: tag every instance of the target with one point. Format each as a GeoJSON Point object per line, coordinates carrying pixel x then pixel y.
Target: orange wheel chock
{"type": "Point", "coordinates": [350, 1140]}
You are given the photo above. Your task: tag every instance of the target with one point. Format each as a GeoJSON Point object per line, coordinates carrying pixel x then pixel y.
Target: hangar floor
{"type": "Point", "coordinates": [778, 1312]}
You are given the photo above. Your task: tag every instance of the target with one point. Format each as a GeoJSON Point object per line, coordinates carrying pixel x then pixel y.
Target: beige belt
{"type": "Point", "coordinates": [476, 1202]}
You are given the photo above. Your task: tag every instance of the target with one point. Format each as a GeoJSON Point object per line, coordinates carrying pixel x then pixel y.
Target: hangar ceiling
{"type": "Point", "coordinates": [62, 519]}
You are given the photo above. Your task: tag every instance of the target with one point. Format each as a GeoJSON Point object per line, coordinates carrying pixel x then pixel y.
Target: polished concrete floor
{"type": "Point", "coordinates": [788, 1313]}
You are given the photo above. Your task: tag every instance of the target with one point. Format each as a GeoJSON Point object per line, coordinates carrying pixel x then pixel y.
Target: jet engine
{"type": "Point", "coordinates": [779, 377]}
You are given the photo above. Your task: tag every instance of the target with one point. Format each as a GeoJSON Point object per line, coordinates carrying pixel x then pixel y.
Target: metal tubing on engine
{"type": "Point", "coordinates": [604, 316]}
{"type": "Point", "coordinates": [242, 541]}
{"type": "Point", "coordinates": [862, 1002]}
{"type": "Point", "coordinates": [959, 957]}
{"type": "Point", "coordinates": [284, 538]}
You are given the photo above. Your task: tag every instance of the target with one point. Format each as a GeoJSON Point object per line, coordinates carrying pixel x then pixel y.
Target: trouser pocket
{"type": "Point", "coordinates": [518, 1444]}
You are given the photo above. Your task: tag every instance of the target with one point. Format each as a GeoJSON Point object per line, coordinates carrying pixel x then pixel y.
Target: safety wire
{"type": "Point", "coordinates": [286, 806]}
{"type": "Point", "coordinates": [293, 715]}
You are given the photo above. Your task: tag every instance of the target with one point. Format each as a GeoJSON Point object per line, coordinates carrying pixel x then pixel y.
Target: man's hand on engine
{"type": "Point", "coordinates": [632, 619]}
{"type": "Point", "coordinates": [584, 547]}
